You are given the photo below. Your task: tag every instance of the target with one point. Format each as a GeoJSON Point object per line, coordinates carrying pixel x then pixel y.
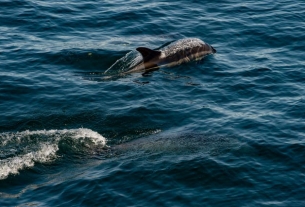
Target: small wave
{"type": "Point", "coordinates": [21, 150]}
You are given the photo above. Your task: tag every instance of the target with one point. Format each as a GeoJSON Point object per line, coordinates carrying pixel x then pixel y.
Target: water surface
{"type": "Point", "coordinates": [227, 130]}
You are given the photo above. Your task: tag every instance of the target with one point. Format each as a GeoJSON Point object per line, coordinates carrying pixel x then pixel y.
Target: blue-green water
{"type": "Point", "coordinates": [225, 131]}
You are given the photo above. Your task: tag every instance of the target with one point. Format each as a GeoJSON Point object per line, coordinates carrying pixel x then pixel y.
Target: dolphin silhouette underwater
{"type": "Point", "coordinates": [176, 53]}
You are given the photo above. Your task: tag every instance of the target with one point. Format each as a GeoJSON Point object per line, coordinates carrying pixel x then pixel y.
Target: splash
{"type": "Point", "coordinates": [123, 64]}
{"type": "Point", "coordinates": [22, 150]}
{"type": "Point", "coordinates": [116, 70]}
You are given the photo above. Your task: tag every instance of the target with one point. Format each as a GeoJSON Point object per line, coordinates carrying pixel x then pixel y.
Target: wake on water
{"type": "Point", "coordinates": [21, 150]}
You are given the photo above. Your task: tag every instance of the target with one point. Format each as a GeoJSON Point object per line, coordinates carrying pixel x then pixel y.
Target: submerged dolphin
{"type": "Point", "coordinates": [176, 53]}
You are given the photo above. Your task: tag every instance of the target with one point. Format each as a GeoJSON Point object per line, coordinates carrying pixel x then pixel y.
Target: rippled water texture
{"type": "Point", "coordinates": [224, 131]}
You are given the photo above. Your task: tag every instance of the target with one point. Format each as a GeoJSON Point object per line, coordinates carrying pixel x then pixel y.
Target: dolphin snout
{"type": "Point", "coordinates": [213, 49]}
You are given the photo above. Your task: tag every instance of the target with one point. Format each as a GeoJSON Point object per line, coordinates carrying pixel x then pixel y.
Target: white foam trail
{"type": "Point", "coordinates": [21, 150]}
{"type": "Point", "coordinates": [14, 164]}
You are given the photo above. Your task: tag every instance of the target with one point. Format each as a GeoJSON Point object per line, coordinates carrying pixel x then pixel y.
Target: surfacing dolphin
{"type": "Point", "coordinates": [176, 53]}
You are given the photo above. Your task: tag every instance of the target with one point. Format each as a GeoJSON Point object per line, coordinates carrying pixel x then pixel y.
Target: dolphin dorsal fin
{"type": "Point", "coordinates": [147, 53]}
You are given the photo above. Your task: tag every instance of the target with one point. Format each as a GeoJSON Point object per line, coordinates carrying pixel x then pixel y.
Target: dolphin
{"type": "Point", "coordinates": [176, 53]}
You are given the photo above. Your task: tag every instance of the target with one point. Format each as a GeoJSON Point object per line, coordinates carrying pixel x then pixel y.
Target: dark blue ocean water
{"type": "Point", "coordinates": [225, 131]}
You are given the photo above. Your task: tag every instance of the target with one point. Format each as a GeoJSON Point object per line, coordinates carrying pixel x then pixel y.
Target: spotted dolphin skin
{"type": "Point", "coordinates": [176, 53]}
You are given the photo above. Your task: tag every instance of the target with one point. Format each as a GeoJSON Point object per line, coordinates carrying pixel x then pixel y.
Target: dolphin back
{"type": "Point", "coordinates": [186, 50]}
{"type": "Point", "coordinates": [176, 53]}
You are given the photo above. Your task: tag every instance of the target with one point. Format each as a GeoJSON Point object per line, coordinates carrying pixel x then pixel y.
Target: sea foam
{"type": "Point", "coordinates": [22, 150]}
